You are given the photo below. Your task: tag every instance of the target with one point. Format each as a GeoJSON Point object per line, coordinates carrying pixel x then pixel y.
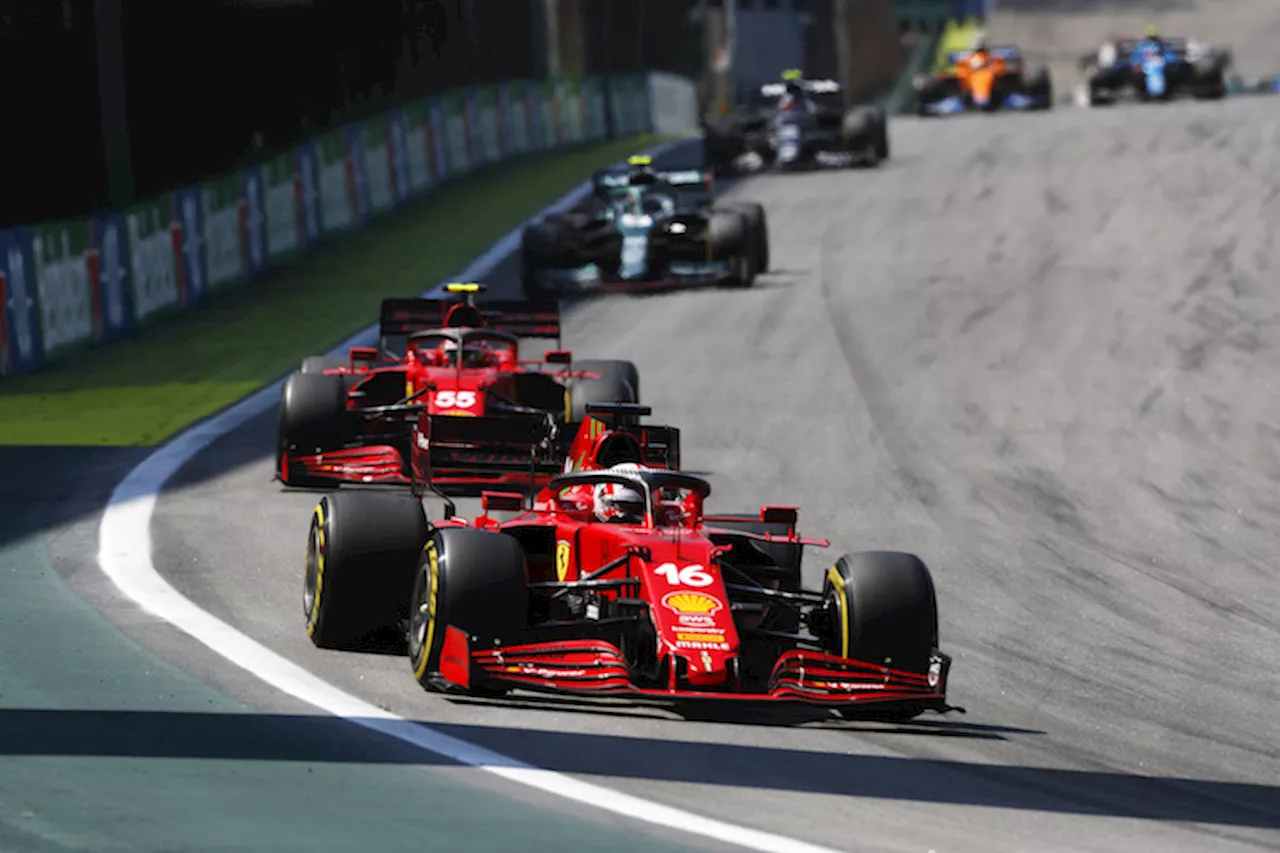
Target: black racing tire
{"type": "Point", "coordinates": [858, 125]}
{"type": "Point", "coordinates": [474, 581]}
{"type": "Point", "coordinates": [884, 609]}
{"type": "Point", "coordinates": [722, 143]}
{"type": "Point", "coordinates": [1041, 88]}
{"type": "Point", "coordinates": [528, 272]}
{"type": "Point", "coordinates": [619, 382]}
{"type": "Point", "coordinates": [882, 138]}
{"type": "Point", "coordinates": [361, 555]}
{"type": "Point", "coordinates": [1208, 80]}
{"type": "Point", "coordinates": [758, 228]}
{"type": "Point", "coordinates": [321, 363]}
{"type": "Point", "coordinates": [312, 415]}
{"type": "Point", "coordinates": [730, 240]}
{"type": "Point", "coordinates": [925, 86]}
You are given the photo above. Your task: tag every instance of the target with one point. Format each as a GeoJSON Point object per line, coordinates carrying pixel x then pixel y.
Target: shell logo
{"type": "Point", "coordinates": [691, 602]}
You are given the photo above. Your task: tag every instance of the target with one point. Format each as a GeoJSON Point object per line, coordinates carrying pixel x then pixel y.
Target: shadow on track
{"type": "Point", "coordinates": [255, 737]}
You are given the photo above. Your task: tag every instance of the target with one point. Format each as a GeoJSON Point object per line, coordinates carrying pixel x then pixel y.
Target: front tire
{"type": "Point", "coordinates": [758, 228]}
{"type": "Point", "coordinates": [471, 580]}
{"type": "Point", "coordinates": [362, 550]}
{"type": "Point", "coordinates": [731, 241]}
{"type": "Point", "coordinates": [883, 611]}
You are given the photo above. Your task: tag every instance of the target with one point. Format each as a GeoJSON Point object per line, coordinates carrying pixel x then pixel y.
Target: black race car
{"type": "Point", "coordinates": [794, 124]}
{"type": "Point", "coordinates": [642, 228]}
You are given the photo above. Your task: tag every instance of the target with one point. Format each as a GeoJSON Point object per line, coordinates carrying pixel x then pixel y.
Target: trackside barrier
{"type": "Point", "coordinates": [902, 97]}
{"type": "Point", "coordinates": [91, 281]}
{"type": "Point", "coordinates": [673, 103]}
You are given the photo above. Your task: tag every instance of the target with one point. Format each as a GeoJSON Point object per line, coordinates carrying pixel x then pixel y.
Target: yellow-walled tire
{"type": "Point", "coordinates": [362, 551]}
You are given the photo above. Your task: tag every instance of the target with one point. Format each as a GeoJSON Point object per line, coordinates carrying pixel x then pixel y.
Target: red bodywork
{"type": "Point", "coordinates": [399, 397]}
{"type": "Point", "coordinates": [666, 575]}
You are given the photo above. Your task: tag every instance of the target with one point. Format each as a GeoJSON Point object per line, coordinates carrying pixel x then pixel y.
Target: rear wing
{"type": "Point", "coordinates": [578, 442]}
{"type": "Point", "coordinates": [685, 181]}
{"type": "Point", "coordinates": [458, 448]}
{"type": "Point", "coordinates": [1177, 44]}
{"type": "Point", "coordinates": [815, 87]}
{"type": "Point", "coordinates": [400, 318]}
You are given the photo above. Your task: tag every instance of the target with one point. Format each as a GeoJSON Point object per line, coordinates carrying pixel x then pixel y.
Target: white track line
{"type": "Point", "coordinates": [124, 553]}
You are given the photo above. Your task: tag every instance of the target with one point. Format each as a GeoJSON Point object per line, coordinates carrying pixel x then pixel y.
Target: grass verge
{"type": "Point", "coordinates": [142, 390]}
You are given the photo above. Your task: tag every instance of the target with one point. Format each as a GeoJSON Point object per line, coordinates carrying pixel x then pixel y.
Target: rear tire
{"type": "Point", "coordinates": [471, 580]}
{"type": "Point", "coordinates": [722, 144]}
{"type": "Point", "coordinates": [1041, 88]}
{"type": "Point", "coordinates": [884, 612]}
{"type": "Point", "coordinates": [321, 363]}
{"type": "Point", "coordinates": [619, 382]}
{"type": "Point", "coordinates": [857, 126]}
{"type": "Point", "coordinates": [361, 555]}
{"type": "Point", "coordinates": [311, 416]}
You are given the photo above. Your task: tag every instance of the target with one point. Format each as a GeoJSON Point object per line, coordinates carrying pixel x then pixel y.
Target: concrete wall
{"type": "Point", "coordinates": [876, 53]}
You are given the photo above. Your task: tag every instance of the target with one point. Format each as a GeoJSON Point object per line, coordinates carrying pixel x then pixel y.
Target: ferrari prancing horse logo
{"type": "Point", "coordinates": [562, 560]}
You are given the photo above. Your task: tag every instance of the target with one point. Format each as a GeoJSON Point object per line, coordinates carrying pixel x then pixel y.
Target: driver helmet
{"type": "Point", "coordinates": [642, 175]}
{"type": "Point", "coordinates": [619, 503]}
{"type": "Point", "coordinates": [980, 51]}
{"type": "Point", "coordinates": [473, 355]}
{"type": "Point", "coordinates": [1153, 32]}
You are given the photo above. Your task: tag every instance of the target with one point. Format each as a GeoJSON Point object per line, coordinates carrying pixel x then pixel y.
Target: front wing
{"type": "Point", "coordinates": [384, 465]}
{"type": "Point", "coordinates": [589, 279]}
{"type": "Point", "coordinates": [597, 668]}
{"type": "Point", "coordinates": [953, 104]}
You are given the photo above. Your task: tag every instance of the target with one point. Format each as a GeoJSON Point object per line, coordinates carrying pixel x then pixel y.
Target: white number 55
{"type": "Point", "coordinates": [455, 399]}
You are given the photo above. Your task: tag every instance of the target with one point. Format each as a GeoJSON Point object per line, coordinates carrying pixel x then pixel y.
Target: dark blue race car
{"type": "Point", "coordinates": [799, 123]}
{"type": "Point", "coordinates": [642, 228]}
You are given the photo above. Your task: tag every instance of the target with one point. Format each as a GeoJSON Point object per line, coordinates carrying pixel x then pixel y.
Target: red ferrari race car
{"type": "Point", "coordinates": [446, 372]}
{"type": "Point", "coordinates": [615, 581]}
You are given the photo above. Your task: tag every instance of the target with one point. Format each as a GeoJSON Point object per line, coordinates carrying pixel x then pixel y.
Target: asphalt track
{"type": "Point", "coordinates": [1038, 351]}
{"type": "Point", "coordinates": [1058, 32]}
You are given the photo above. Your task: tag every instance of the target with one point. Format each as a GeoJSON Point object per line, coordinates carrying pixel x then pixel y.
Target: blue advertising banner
{"type": "Point", "coordinates": [253, 222]}
{"type": "Point", "coordinates": [357, 174]}
{"type": "Point", "coordinates": [21, 350]}
{"type": "Point", "coordinates": [188, 213]}
{"type": "Point", "coordinates": [439, 138]}
{"type": "Point", "coordinates": [532, 97]}
{"type": "Point", "coordinates": [398, 150]}
{"type": "Point", "coordinates": [109, 276]}
{"type": "Point", "coordinates": [508, 122]}
{"type": "Point", "coordinates": [309, 193]}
